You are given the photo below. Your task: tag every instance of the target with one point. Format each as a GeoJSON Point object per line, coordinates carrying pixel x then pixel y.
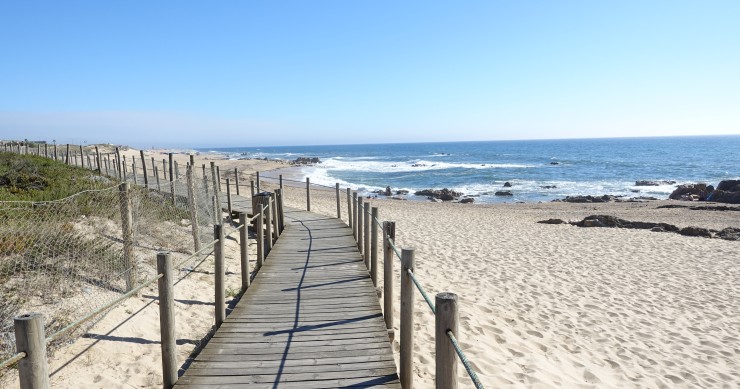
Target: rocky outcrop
{"type": "Point", "coordinates": [442, 194]}
{"type": "Point", "coordinates": [548, 187]}
{"type": "Point", "coordinates": [654, 183]}
{"type": "Point", "coordinates": [722, 196]}
{"type": "Point", "coordinates": [305, 161]}
{"type": "Point", "coordinates": [615, 222]}
{"type": "Point", "coordinates": [503, 193]}
{"type": "Point", "coordinates": [467, 200]}
{"type": "Point", "coordinates": [729, 185]}
{"type": "Point", "coordinates": [588, 199]}
{"type": "Point", "coordinates": [507, 184]}
{"type": "Point", "coordinates": [690, 192]}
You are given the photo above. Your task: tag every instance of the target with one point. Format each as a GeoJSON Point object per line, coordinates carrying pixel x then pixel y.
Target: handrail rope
{"type": "Point", "coordinates": [464, 361]}
{"type": "Point", "coordinates": [94, 313]}
{"type": "Point", "coordinates": [423, 293]}
{"type": "Point", "coordinates": [15, 358]}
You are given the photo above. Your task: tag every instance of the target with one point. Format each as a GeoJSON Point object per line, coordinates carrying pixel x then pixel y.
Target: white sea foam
{"type": "Point", "coordinates": [375, 166]}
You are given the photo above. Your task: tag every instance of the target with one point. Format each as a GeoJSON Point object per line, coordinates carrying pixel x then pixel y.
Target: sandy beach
{"type": "Point", "coordinates": [546, 306]}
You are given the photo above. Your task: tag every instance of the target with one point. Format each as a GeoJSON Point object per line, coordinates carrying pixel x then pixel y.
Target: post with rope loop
{"type": "Point", "coordinates": [389, 234]}
{"type": "Point", "coordinates": [220, 295]}
{"type": "Point", "coordinates": [33, 370]}
{"type": "Point", "coordinates": [445, 319]}
{"type": "Point", "coordinates": [374, 248]}
{"type": "Point", "coordinates": [406, 363]}
{"type": "Point", "coordinates": [366, 238]}
{"type": "Point", "coordinates": [244, 249]}
{"type": "Point", "coordinates": [168, 341]}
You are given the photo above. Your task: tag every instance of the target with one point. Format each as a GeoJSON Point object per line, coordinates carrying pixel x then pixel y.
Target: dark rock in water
{"type": "Point", "coordinates": [589, 199]}
{"type": "Point", "coordinates": [402, 192]}
{"type": "Point", "coordinates": [503, 193]}
{"type": "Point", "coordinates": [548, 187]}
{"type": "Point", "coordinates": [690, 192]}
{"type": "Point", "coordinates": [729, 185]}
{"type": "Point", "coordinates": [554, 163]}
{"type": "Point", "coordinates": [418, 165]}
{"type": "Point", "coordinates": [696, 231]}
{"type": "Point", "coordinates": [443, 194]}
{"type": "Point", "coordinates": [507, 184]}
{"type": "Point", "coordinates": [304, 161]}
{"type": "Point", "coordinates": [388, 191]}
{"type": "Point", "coordinates": [552, 221]}
{"type": "Point", "coordinates": [654, 183]}
{"type": "Point", "coordinates": [379, 191]}
{"type": "Point", "coordinates": [729, 233]}
{"type": "Point", "coordinates": [467, 200]}
{"type": "Point", "coordinates": [721, 196]}
{"type": "Point", "coordinates": [635, 190]}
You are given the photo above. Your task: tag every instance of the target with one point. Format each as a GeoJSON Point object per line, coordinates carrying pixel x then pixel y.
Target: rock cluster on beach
{"type": "Point", "coordinates": [305, 161]}
{"type": "Point", "coordinates": [727, 191]}
{"type": "Point", "coordinates": [654, 183]}
{"type": "Point", "coordinates": [615, 222]}
{"type": "Point", "coordinates": [602, 199]}
{"type": "Point", "coordinates": [441, 194]}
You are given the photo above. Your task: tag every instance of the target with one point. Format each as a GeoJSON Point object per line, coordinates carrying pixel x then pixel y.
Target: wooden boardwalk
{"type": "Point", "coordinates": [310, 319]}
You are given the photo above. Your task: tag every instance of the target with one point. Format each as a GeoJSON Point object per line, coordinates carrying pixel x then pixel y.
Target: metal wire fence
{"type": "Point", "coordinates": [68, 257]}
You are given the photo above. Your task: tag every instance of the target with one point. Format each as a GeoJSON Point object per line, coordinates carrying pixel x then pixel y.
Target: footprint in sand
{"type": "Point", "coordinates": [535, 333]}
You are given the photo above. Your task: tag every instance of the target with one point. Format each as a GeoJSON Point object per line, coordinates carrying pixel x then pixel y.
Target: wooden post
{"type": "Point", "coordinates": [56, 154]}
{"type": "Point", "coordinates": [308, 194]}
{"type": "Point", "coordinates": [168, 341]}
{"type": "Point", "coordinates": [218, 177]}
{"type": "Point", "coordinates": [236, 180]}
{"type": "Point", "coordinates": [46, 150]}
{"type": "Point", "coordinates": [67, 156]}
{"type": "Point", "coordinates": [164, 169]}
{"type": "Point", "coordinates": [177, 171]}
{"type": "Point", "coordinates": [389, 234]}
{"type": "Point", "coordinates": [82, 159]}
{"type": "Point", "coordinates": [216, 210]}
{"type": "Point", "coordinates": [133, 169]}
{"type": "Point", "coordinates": [156, 176]}
{"type": "Point", "coordinates": [154, 166]}
{"type": "Point", "coordinates": [374, 247]}
{"type": "Point", "coordinates": [75, 158]}
{"type": "Point", "coordinates": [143, 167]}
{"type": "Point", "coordinates": [228, 198]}
{"type": "Point", "coordinates": [244, 249]}
{"type": "Point", "coordinates": [366, 238]}
{"type": "Point", "coordinates": [97, 157]}
{"type": "Point", "coordinates": [445, 319]}
{"type": "Point", "coordinates": [33, 370]}
{"type": "Point", "coordinates": [406, 361]}
{"type": "Point", "coordinates": [38, 149]}
{"type": "Point", "coordinates": [354, 215]}
{"type": "Point", "coordinates": [192, 204]}
{"type": "Point", "coordinates": [273, 208]}
{"type": "Point", "coordinates": [119, 170]}
{"type": "Point", "coordinates": [281, 212]}
{"type": "Point", "coordinates": [216, 190]}
{"type": "Point", "coordinates": [127, 233]}
{"type": "Point", "coordinates": [360, 224]}
{"type": "Point", "coordinates": [268, 226]}
{"type": "Point", "coordinates": [205, 179]}
{"type": "Point", "coordinates": [339, 204]}
{"type": "Point", "coordinates": [123, 164]}
{"type": "Point", "coordinates": [220, 299]}
{"type": "Point", "coordinates": [349, 207]}
{"type": "Point", "coordinates": [89, 163]}
{"type": "Point", "coordinates": [107, 161]}
{"type": "Point", "coordinates": [258, 182]}
{"type": "Point", "coordinates": [251, 183]}
{"type": "Point", "coordinates": [260, 237]}
{"type": "Point", "coordinates": [281, 181]}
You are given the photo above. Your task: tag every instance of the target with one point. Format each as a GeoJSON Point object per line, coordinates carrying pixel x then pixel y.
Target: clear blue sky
{"type": "Point", "coordinates": [246, 73]}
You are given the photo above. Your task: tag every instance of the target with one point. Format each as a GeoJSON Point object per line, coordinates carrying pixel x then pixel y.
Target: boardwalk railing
{"type": "Point", "coordinates": [366, 227]}
{"type": "Point", "coordinates": [31, 337]}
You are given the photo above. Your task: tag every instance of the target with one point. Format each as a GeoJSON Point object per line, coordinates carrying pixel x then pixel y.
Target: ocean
{"type": "Point", "coordinates": [538, 170]}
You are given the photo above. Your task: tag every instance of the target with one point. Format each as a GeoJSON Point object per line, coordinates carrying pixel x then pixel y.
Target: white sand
{"type": "Point", "coordinates": [541, 305]}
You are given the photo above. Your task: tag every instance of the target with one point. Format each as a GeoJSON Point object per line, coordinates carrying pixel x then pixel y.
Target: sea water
{"type": "Point", "coordinates": [538, 170]}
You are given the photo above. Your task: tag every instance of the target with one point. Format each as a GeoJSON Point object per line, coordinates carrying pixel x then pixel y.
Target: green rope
{"type": "Point", "coordinates": [12, 360]}
{"type": "Point", "coordinates": [465, 361]}
{"type": "Point", "coordinates": [423, 293]}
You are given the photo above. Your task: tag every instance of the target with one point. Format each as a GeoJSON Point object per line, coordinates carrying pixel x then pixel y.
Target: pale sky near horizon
{"type": "Point", "coordinates": [247, 73]}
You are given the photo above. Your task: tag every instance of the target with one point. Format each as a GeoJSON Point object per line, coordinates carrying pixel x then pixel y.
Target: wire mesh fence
{"type": "Point", "coordinates": [69, 257]}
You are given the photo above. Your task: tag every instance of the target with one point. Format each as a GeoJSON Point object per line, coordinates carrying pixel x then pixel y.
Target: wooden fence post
{"type": "Point", "coordinates": [349, 207]}
{"type": "Point", "coordinates": [360, 223]}
{"type": "Point", "coordinates": [354, 215]}
{"type": "Point", "coordinates": [389, 234]}
{"type": "Point", "coordinates": [339, 204]}
{"type": "Point", "coordinates": [82, 159]}
{"type": "Point", "coordinates": [216, 190]}
{"type": "Point", "coordinates": [228, 198]}
{"type": "Point", "coordinates": [308, 194]}
{"type": "Point", "coordinates": [281, 208]}
{"type": "Point", "coordinates": [143, 167]}
{"type": "Point", "coordinates": [97, 157]}
{"type": "Point", "coordinates": [177, 171]}
{"type": "Point", "coordinates": [243, 250]}
{"type": "Point", "coordinates": [156, 177]}
{"type": "Point", "coordinates": [67, 156]}
{"type": "Point", "coordinates": [192, 207]}
{"type": "Point", "coordinates": [260, 237]}
{"type": "Point", "coordinates": [127, 234]}
{"type": "Point", "coordinates": [164, 169]}
{"type": "Point", "coordinates": [168, 341]}
{"type": "Point", "coordinates": [216, 211]}
{"type": "Point", "coordinates": [366, 238]}
{"type": "Point", "coordinates": [445, 319]}
{"type": "Point", "coordinates": [220, 298]}
{"type": "Point", "coordinates": [125, 172]}
{"type": "Point", "coordinates": [56, 154]}
{"type": "Point", "coordinates": [406, 361]}
{"type": "Point", "coordinates": [133, 169]}
{"type": "Point", "coordinates": [119, 170]}
{"type": "Point", "coordinates": [268, 227]}
{"type": "Point", "coordinates": [205, 180]}
{"type": "Point", "coordinates": [154, 166]}
{"type": "Point", "coordinates": [236, 180]}
{"type": "Point", "coordinates": [258, 182]}
{"type": "Point", "coordinates": [281, 181]}
{"type": "Point", "coordinates": [274, 209]}
{"type": "Point", "coordinates": [30, 338]}
{"type": "Point", "coordinates": [374, 247]}
{"type": "Point", "coordinates": [46, 150]}
{"type": "Point", "coordinates": [218, 177]}
{"type": "Point", "coordinates": [172, 178]}
{"type": "Point", "coordinates": [251, 183]}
